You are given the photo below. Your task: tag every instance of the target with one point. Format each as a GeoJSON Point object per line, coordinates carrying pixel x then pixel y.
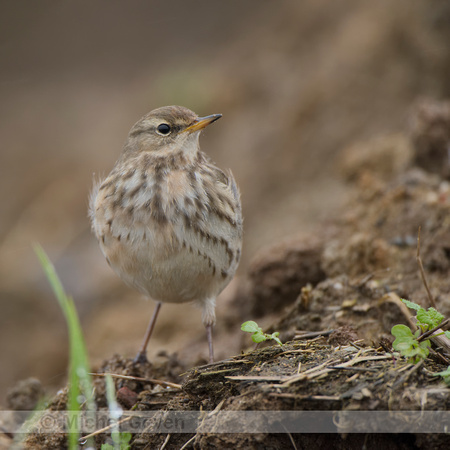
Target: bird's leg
{"type": "Point", "coordinates": [210, 342]}
{"type": "Point", "coordinates": [141, 357]}
{"type": "Point", "coordinates": [209, 319]}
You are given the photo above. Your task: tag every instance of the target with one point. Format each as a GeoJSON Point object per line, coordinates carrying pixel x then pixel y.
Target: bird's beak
{"type": "Point", "coordinates": [202, 122]}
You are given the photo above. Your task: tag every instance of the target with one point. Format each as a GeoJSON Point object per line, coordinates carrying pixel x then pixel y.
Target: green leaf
{"type": "Point", "coordinates": [444, 373]}
{"type": "Point", "coordinates": [407, 344]}
{"type": "Point", "coordinates": [115, 436]}
{"type": "Point", "coordinates": [403, 346]}
{"type": "Point", "coordinates": [121, 438]}
{"type": "Point", "coordinates": [251, 327]}
{"type": "Point", "coordinates": [121, 441]}
{"type": "Point", "coordinates": [417, 351]}
{"type": "Point", "coordinates": [400, 331]}
{"type": "Point", "coordinates": [258, 333]}
{"type": "Point", "coordinates": [274, 336]}
{"type": "Point", "coordinates": [411, 305]}
{"type": "Point", "coordinates": [430, 317]}
{"type": "Point", "coordinates": [447, 334]}
{"type": "Point", "coordinates": [259, 337]}
{"type": "Point", "coordinates": [435, 316]}
{"type": "Point", "coordinates": [126, 438]}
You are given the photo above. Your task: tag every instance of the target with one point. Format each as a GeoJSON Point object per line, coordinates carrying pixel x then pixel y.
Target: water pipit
{"type": "Point", "coordinates": [168, 221]}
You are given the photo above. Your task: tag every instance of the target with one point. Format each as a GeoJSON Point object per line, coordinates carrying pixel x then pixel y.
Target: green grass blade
{"type": "Point", "coordinates": [79, 362]}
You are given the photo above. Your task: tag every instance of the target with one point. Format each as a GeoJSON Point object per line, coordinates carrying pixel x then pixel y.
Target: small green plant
{"type": "Point", "coordinates": [445, 374]}
{"type": "Point", "coordinates": [408, 344]}
{"type": "Point", "coordinates": [414, 346]}
{"type": "Point", "coordinates": [427, 319]}
{"type": "Point", "coordinates": [258, 334]}
{"type": "Point", "coordinates": [121, 441]}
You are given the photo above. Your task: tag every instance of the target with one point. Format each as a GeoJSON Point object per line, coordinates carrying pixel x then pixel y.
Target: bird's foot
{"type": "Point", "coordinates": [141, 358]}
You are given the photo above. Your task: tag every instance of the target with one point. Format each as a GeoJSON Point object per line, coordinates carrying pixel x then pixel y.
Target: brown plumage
{"type": "Point", "coordinates": [168, 221]}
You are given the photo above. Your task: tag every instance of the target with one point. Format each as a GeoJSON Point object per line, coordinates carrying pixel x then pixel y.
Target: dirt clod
{"type": "Point", "coordinates": [430, 131]}
{"type": "Point", "coordinates": [25, 395]}
{"type": "Point", "coordinates": [343, 336]}
{"type": "Point", "coordinates": [278, 273]}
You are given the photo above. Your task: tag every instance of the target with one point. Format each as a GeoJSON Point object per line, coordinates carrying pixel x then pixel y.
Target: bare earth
{"type": "Point", "coordinates": [337, 129]}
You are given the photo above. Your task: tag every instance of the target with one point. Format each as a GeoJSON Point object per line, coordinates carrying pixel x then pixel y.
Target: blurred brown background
{"type": "Point", "coordinates": [296, 81]}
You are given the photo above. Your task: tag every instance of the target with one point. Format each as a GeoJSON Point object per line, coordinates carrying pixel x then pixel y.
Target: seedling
{"type": "Point", "coordinates": [427, 319]}
{"type": "Point", "coordinates": [445, 374]}
{"type": "Point", "coordinates": [121, 441]}
{"type": "Point", "coordinates": [258, 334]}
{"type": "Point", "coordinates": [408, 344]}
{"type": "Point", "coordinates": [415, 346]}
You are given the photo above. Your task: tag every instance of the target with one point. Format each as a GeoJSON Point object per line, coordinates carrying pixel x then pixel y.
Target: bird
{"type": "Point", "coordinates": [168, 220]}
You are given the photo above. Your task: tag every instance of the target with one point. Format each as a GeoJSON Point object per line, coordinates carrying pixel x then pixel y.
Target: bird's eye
{"type": "Point", "coordinates": [163, 129]}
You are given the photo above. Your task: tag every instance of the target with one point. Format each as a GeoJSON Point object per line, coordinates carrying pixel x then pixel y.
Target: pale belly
{"type": "Point", "coordinates": [174, 245]}
{"type": "Point", "coordinates": [172, 273]}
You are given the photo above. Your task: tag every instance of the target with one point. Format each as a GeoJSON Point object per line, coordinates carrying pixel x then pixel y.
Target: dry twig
{"type": "Point", "coordinates": [146, 380]}
{"type": "Point", "coordinates": [422, 272]}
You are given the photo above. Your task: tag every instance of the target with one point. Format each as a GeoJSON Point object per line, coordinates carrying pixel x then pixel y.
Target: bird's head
{"type": "Point", "coordinates": [167, 130]}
